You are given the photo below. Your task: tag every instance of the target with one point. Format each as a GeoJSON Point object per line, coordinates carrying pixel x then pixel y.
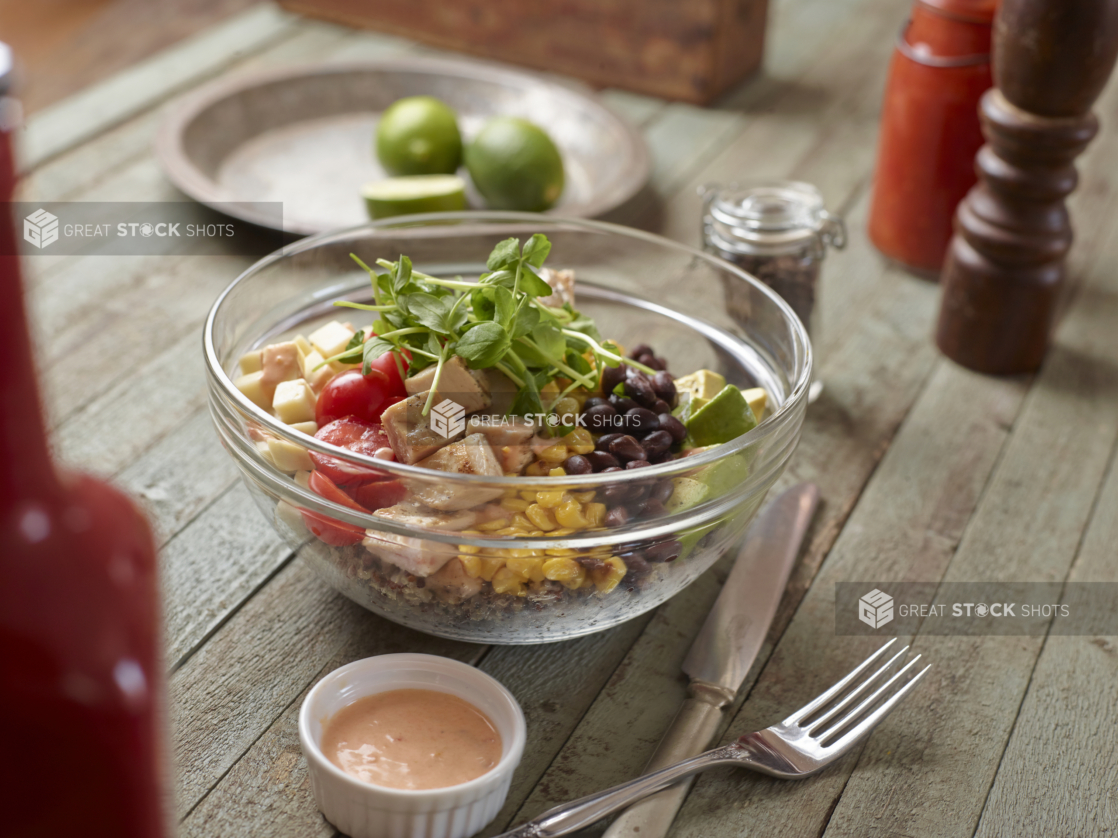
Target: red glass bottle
{"type": "Point", "coordinates": [80, 670]}
{"type": "Point", "coordinates": [930, 130]}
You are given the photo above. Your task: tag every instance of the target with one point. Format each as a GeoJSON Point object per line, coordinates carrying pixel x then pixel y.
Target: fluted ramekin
{"type": "Point", "coordinates": [363, 810]}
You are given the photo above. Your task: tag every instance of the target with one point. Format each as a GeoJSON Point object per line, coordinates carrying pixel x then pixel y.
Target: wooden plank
{"type": "Point", "coordinates": [1060, 770]}
{"type": "Point", "coordinates": [901, 528]}
{"type": "Point", "coordinates": [939, 758]}
{"type": "Point", "coordinates": [256, 666]}
{"type": "Point", "coordinates": [84, 115]}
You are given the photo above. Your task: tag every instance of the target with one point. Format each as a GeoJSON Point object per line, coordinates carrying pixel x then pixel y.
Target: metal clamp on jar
{"type": "Point", "coordinates": [777, 231]}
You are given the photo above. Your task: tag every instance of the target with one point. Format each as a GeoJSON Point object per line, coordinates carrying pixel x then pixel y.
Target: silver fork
{"type": "Point", "coordinates": [806, 742]}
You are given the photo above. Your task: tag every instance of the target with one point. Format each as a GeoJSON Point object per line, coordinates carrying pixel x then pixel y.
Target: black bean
{"type": "Point", "coordinates": [662, 491]}
{"type": "Point", "coordinates": [657, 363]}
{"type": "Point", "coordinates": [656, 443]}
{"type": "Point", "coordinates": [617, 494]}
{"type": "Point", "coordinates": [640, 421]}
{"type": "Point", "coordinates": [601, 417]}
{"type": "Point", "coordinates": [605, 440]}
{"type": "Point", "coordinates": [634, 562]}
{"type": "Point", "coordinates": [627, 448]}
{"type": "Point", "coordinates": [663, 551]}
{"type": "Point", "coordinates": [664, 386]}
{"type": "Point", "coordinates": [639, 492]}
{"type": "Point", "coordinates": [616, 517]}
{"type": "Point", "coordinates": [639, 388]}
{"type": "Point", "coordinates": [640, 349]}
{"type": "Point", "coordinates": [611, 377]}
{"type": "Point", "coordinates": [577, 464]}
{"type": "Point", "coordinates": [600, 460]}
{"type": "Point", "coordinates": [622, 404]}
{"type": "Point", "coordinates": [609, 469]}
{"type": "Point", "coordinates": [656, 459]}
{"type": "Point", "coordinates": [652, 508]}
{"type": "Point", "coordinates": [661, 406]}
{"type": "Point", "coordinates": [648, 359]}
{"type": "Point", "coordinates": [673, 426]}
{"type": "Point", "coordinates": [593, 401]}
{"type": "Point", "coordinates": [637, 464]}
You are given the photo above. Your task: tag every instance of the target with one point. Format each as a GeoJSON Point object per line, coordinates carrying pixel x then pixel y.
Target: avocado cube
{"type": "Point", "coordinates": [725, 417]}
{"type": "Point", "coordinates": [702, 384]}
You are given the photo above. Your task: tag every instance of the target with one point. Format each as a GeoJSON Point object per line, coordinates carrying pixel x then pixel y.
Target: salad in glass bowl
{"type": "Point", "coordinates": [492, 448]}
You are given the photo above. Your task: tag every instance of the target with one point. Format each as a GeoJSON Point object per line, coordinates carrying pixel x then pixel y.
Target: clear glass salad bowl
{"type": "Point", "coordinates": [695, 310]}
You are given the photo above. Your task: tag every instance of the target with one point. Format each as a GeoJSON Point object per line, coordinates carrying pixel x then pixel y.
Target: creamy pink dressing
{"type": "Point", "coordinates": [412, 739]}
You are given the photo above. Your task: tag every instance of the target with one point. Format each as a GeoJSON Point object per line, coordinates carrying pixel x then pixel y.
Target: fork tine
{"type": "Point", "coordinates": [853, 694]}
{"type": "Point", "coordinates": [821, 700]}
{"type": "Point", "coordinates": [871, 721]}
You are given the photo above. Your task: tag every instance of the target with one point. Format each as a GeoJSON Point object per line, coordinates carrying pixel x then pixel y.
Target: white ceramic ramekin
{"type": "Point", "coordinates": [362, 810]}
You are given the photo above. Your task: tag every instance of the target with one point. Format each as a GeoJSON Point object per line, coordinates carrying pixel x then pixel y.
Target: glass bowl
{"type": "Point", "coordinates": [695, 310]}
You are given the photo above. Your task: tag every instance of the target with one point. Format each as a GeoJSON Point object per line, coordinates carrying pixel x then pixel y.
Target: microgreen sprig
{"type": "Point", "coordinates": [498, 322]}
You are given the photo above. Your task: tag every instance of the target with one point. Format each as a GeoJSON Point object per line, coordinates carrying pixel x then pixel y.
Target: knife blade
{"type": "Point", "coordinates": [724, 650]}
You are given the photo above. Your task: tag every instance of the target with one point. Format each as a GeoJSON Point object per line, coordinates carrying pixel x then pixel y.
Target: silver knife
{"type": "Point", "coordinates": [724, 650]}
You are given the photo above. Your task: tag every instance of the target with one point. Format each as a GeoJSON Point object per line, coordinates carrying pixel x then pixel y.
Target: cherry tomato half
{"type": "Point", "coordinates": [330, 530]}
{"type": "Point", "coordinates": [386, 364]}
{"type": "Point", "coordinates": [350, 393]}
{"type": "Point", "coordinates": [378, 495]}
{"type": "Point", "coordinates": [360, 437]}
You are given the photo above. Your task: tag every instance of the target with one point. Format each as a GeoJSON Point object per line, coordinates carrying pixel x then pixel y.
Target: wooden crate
{"type": "Point", "coordinates": [690, 50]}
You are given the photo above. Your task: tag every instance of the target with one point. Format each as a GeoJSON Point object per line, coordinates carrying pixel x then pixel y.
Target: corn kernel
{"type": "Point", "coordinates": [520, 521]}
{"type": "Point", "coordinates": [570, 514]}
{"type": "Point", "coordinates": [515, 504]}
{"type": "Point", "coordinates": [520, 553]}
{"type": "Point", "coordinates": [494, 525]}
{"type": "Point", "coordinates": [561, 552]}
{"type": "Point", "coordinates": [579, 441]}
{"type": "Point", "coordinates": [509, 531]}
{"type": "Point", "coordinates": [561, 531]}
{"type": "Point", "coordinates": [471, 564]}
{"type": "Point", "coordinates": [540, 517]}
{"type": "Point", "coordinates": [506, 582]}
{"type": "Point", "coordinates": [549, 500]}
{"type": "Point", "coordinates": [537, 469]}
{"type": "Point", "coordinates": [564, 570]}
{"type": "Point", "coordinates": [608, 578]}
{"type": "Point", "coordinates": [529, 495]}
{"type": "Point", "coordinates": [529, 569]}
{"type": "Point", "coordinates": [558, 471]}
{"type": "Point", "coordinates": [554, 454]}
{"type": "Point", "coordinates": [489, 568]}
{"type": "Point", "coordinates": [468, 548]}
{"type": "Point", "coordinates": [595, 514]}
{"type": "Point", "coordinates": [583, 497]}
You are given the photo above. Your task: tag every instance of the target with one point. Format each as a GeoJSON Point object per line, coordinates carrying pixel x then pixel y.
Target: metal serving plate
{"type": "Point", "coordinates": [304, 136]}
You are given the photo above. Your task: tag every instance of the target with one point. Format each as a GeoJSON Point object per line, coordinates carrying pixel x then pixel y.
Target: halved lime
{"type": "Point", "coordinates": [417, 193]}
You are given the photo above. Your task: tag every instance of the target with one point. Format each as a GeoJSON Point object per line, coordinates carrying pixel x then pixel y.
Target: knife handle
{"type": "Point", "coordinates": [689, 734]}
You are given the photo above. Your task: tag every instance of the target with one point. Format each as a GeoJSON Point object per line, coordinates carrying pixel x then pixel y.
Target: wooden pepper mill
{"type": "Point", "coordinates": [1005, 264]}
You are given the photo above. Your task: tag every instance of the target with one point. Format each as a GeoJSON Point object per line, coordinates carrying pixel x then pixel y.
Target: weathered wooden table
{"type": "Point", "coordinates": [927, 473]}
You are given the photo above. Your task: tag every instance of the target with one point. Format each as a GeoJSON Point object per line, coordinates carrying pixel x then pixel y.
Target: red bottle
{"type": "Point", "coordinates": [80, 670]}
{"type": "Point", "coordinates": [930, 130]}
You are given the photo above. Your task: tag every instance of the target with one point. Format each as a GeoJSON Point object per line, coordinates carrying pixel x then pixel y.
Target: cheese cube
{"type": "Point", "coordinates": [289, 457]}
{"type": "Point", "coordinates": [331, 339]}
{"type": "Point", "coordinates": [251, 362]}
{"type": "Point", "coordinates": [253, 386]}
{"type": "Point", "coordinates": [303, 344]}
{"type": "Point", "coordinates": [317, 378]}
{"type": "Point", "coordinates": [308, 428]}
{"type": "Point", "coordinates": [282, 362]}
{"type": "Point", "coordinates": [294, 402]}
{"type": "Point", "coordinates": [290, 517]}
{"type": "Point", "coordinates": [262, 450]}
{"type": "Point", "coordinates": [303, 478]}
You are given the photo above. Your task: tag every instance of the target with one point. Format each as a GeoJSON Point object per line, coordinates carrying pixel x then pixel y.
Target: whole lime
{"type": "Point", "coordinates": [515, 165]}
{"type": "Point", "coordinates": [419, 136]}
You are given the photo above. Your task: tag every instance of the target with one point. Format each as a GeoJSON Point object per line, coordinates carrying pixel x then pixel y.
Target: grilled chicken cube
{"type": "Point", "coordinates": [510, 438]}
{"type": "Point", "coordinates": [457, 382]}
{"type": "Point", "coordinates": [410, 433]}
{"type": "Point", "coordinates": [451, 584]}
{"type": "Point", "coordinates": [471, 455]}
{"type": "Point", "coordinates": [562, 283]}
{"type": "Point", "coordinates": [415, 555]}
